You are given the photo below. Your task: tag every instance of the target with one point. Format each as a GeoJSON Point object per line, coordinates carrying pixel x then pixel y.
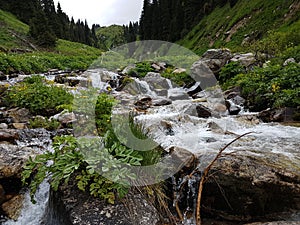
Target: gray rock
{"type": "Point", "coordinates": [76, 208]}
{"type": "Point", "coordinates": [290, 60]}
{"type": "Point", "coordinates": [127, 69]}
{"type": "Point", "coordinates": [9, 135]}
{"type": "Point", "coordinates": [19, 115]}
{"type": "Point", "coordinates": [156, 81]}
{"type": "Point", "coordinates": [3, 126]}
{"type": "Point", "coordinates": [257, 187]}
{"type": "Point", "coordinates": [161, 101]}
{"type": "Point", "coordinates": [12, 159]}
{"type": "Point", "coordinates": [209, 65]}
{"type": "Point", "coordinates": [177, 94]}
{"type": "Point", "coordinates": [203, 112]}
{"type": "Point", "coordinates": [201, 72]}
{"type": "Point", "coordinates": [246, 60]}
{"type": "Point", "coordinates": [233, 108]}
{"type": "Point", "coordinates": [65, 117]}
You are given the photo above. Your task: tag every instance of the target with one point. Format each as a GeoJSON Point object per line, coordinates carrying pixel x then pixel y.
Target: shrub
{"type": "Point", "coordinates": [229, 71]}
{"type": "Point", "coordinates": [38, 97]}
{"type": "Point", "coordinates": [41, 122]}
{"type": "Point", "coordinates": [100, 166]}
{"type": "Point", "coordinates": [141, 69]}
{"type": "Point", "coordinates": [273, 86]}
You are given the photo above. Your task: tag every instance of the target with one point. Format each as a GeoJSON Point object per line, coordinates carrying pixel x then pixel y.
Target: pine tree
{"type": "Point", "coordinates": [41, 31]}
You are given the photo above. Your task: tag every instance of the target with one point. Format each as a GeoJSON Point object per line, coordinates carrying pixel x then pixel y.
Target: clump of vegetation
{"type": "Point", "coordinates": [141, 69]}
{"type": "Point", "coordinates": [273, 86]}
{"type": "Point", "coordinates": [180, 79]}
{"type": "Point", "coordinates": [42, 122]}
{"type": "Point", "coordinates": [101, 166]}
{"type": "Point", "coordinates": [37, 96]}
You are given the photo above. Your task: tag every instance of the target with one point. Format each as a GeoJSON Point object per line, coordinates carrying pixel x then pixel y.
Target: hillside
{"type": "Point", "coordinates": [18, 53]}
{"type": "Point", "coordinates": [238, 27]}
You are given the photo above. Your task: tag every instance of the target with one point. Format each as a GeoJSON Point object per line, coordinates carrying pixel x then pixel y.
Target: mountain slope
{"type": "Point", "coordinates": [18, 52]}
{"type": "Point", "coordinates": [243, 24]}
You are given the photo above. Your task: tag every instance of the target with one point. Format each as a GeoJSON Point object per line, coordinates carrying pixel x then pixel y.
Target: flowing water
{"type": "Point", "coordinates": [197, 135]}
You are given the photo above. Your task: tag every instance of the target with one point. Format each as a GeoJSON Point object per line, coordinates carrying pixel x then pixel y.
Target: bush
{"type": "Point", "coordinates": [141, 69]}
{"type": "Point", "coordinates": [38, 97]}
{"type": "Point", "coordinates": [41, 122]}
{"type": "Point", "coordinates": [100, 166]}
{"type": "Point", "coordinates": [180, 79]}
{"type": "Point", "coordinates": [273, 86]}
{"type": "Point", "coordinates": [229, 71]}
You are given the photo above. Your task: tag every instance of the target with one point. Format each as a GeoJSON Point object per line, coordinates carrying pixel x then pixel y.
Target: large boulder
{"type": "Point", "coordinates": [256, 187]}
{"type": "Point", "coordinates": [246, 60]}
{"type": "Point", "coordinates": [13, 158]}
{"type": "Point", "coordinates": [75, 207]}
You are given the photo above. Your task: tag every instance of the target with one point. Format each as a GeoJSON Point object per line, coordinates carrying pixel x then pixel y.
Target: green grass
{"type": "Point", "coordinates": [262, 16]}
{"type": "Point", "coordinates": [66, 54]}
{"type": "Point", "coordinates": [12, 31]}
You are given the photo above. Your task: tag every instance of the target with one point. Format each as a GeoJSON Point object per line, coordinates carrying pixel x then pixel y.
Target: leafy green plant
{"type": "Point", "coordinates": [272, 86]}
{"type": "Point", "coordinates": [141, 69]}
{"type": "Point", "coordinates": [180, 79]}
{"type": "Point", "coordinates": [41, 122]}
{"type": "Point", "coordinates": [37, 96]}
{"type": "Point", "coordinates": [229, 71]}
{"type": "Point", "coordinates": [97, 169]}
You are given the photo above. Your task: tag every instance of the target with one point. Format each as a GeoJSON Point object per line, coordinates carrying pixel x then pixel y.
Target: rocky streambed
{"type": "Point", "coordinates": [257, 179]}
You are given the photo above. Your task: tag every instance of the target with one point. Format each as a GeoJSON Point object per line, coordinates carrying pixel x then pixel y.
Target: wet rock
{"type": "Point", "coordinates": [177, 94]}
{"type": "Point", "coordinates": [233, 109]}
{"type": "Point", "coordinates": [161, 101]}
{"type": "Point", "coordinates": [256, 187]}
{"type": "Point", "coordinates": [168, 126]}
{"type": "Point", "coordinates": [156, 81]}
{"type": "Point", "coordinates": [75, 81]}
{"type": "Point", "coordinates": [213, 126]}
{"type": "Point", "coordinates": [183, 157]}
{"type": "Point", "coordinates": [246, 60]}
{"type": "Point", "coordinates": [277, 115]}
{"type": "Point", "coordinates": [79, 208]}
{"type": "Point", "coordinates": [9, 135]}
{"type": "Point", "coordinates": [143, 103]}
{"type": "Point", "coordinates": [13, 207]}
{"type": "Point", "coordinates": [203, 112]}
{"type": "Point", "coordinates": [19, 115]}
{"type": "Point", "coordinates": [196, 88]}
{"type": "Point", "coordinates": [3, 126]}
{"type": "Point", "coordinates": [251, 119]}
{"type": "Point", "coordinates": [12, 159]}
{"type": "Point", "coordinates": [288, 61]}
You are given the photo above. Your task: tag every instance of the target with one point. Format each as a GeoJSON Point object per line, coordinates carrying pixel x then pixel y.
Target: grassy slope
{"type": "Point", "coordinates": [9, 28]}
{"type": "Point", "coordinates": [261, 16]}
{"type": "Point", "coordinates": [66, 55]}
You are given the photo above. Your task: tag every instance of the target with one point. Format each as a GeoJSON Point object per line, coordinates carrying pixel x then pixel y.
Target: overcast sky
{"type": "Point", "coordinates": [103, 12]}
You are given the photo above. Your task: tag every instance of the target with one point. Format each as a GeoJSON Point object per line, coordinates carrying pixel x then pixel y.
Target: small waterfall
{"type": "Point", "coordinates": [33, 214]}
